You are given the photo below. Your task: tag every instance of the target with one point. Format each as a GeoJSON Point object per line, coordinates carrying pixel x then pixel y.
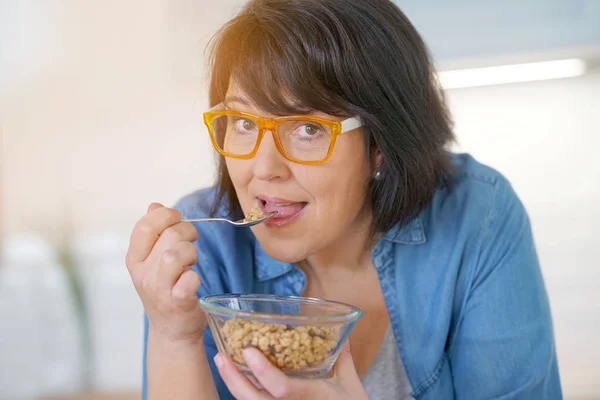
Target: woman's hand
{"type": "Point", "coordinates": [345, 383]}
{"type": "Point", "coordinates": [161, 253]}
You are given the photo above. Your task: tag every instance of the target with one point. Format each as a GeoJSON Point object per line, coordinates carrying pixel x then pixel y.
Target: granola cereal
{"type": "Point", "coordinates": [287, 347]}
{"type": "Point", "coordinates": [254, 214]}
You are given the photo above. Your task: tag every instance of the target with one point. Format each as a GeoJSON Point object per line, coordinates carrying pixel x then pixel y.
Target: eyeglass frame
{"type": "Point", "coordinates": [336, 129]}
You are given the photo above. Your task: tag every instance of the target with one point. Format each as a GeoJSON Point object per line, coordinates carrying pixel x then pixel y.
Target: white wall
{"type": "Point", "coordinates": [110, 120]}
{"type": "Point", "coordinates": [544, 137]}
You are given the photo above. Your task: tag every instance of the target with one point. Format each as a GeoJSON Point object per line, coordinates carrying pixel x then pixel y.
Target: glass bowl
{"type": "Point", "coordinates": [299, 335]}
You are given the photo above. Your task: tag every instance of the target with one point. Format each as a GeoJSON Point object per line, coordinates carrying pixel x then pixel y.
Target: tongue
{"type": "Point", "coordinates": [283, 210]}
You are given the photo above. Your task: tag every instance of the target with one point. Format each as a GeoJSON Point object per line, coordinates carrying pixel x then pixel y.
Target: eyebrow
{"type": "Point", "coordinates": [236, 99]}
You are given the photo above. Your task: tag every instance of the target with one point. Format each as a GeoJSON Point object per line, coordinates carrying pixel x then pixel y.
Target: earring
{"type": "Point", "coordinates": [377, 175]}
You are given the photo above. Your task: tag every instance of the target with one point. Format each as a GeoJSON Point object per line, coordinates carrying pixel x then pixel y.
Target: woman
{"type": "Point", "coordinates": [372, 211]}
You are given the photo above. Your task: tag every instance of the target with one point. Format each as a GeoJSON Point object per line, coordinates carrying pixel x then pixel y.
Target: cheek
{"type": "Point", "coordinates": [239, 172]}
{"type": "Point", "coordinates": [340, 187]}
{"type": "Point", "coordinates": [337, 191]}
{"type": "Point", "coordinates": [344, 193]}
{"type": "Point", "coordinates": [240, 176]}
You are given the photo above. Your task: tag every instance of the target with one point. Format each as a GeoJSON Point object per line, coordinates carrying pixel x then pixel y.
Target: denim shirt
{"type": "Point", "coordinates": [461, 282]}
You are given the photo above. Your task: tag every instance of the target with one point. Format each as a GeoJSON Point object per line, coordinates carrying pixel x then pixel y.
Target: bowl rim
{"type": "Point", "coordinates": [353, 314]}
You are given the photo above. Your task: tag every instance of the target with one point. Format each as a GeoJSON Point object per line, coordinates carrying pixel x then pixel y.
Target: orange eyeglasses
{"type": "Point", "coordinates": [300, 138]}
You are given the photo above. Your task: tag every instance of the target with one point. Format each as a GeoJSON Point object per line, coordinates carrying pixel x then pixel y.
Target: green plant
{"type": "Point", "coordinates": [76, 288]}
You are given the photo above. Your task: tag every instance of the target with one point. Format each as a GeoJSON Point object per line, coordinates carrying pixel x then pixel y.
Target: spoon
{"type": "Point", "coordinates": [240, 223]}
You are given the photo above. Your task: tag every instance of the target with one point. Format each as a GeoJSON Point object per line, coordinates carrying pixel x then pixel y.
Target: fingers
{"type": "Point", "coordinates": [181, 231]}
{"type": "Point", "coordinates": [344, 369]}
{"type": "Point", "coordinates": [147, 231]}
{"type": "Point", "coordinates": [271, 378]}
{"type": "Point", "coordinates": [161, 251]}
{"type": "Point", "coordinates": [184, 292]}
{"type": "Point", "coordinates": [169, 238]}
{"type": "Point", "coordinates": [277, 385]}
{"type": "Point", "coordinates": [173, 263]}
{"type": "Point", "coordinates": [239, 386]}
{"type": "Point", "coordinates": [160, 257]}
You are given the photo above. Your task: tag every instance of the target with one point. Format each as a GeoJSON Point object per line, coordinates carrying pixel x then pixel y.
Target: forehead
{"type": "Point", "coordinates": [237, 98]}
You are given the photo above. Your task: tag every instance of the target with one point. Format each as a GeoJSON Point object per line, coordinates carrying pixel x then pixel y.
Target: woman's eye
{"type": "Point", "coordinates": [247, 125]}
{"type": "Point", "coordinates": [311, 130]}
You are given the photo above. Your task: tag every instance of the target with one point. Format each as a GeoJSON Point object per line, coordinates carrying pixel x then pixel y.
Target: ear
{"type": "Point", "coordinates": [376, 159]}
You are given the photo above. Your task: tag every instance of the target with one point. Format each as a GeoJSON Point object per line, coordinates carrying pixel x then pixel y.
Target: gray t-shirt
{"type": "Point", "coordinates": [386, 377]}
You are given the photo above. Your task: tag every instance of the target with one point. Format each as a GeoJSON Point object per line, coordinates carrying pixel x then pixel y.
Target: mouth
{"type": "Point", "coordinates": [287, 210]}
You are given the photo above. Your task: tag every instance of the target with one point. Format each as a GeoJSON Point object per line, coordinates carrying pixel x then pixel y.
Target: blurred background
{"type": "Point", "coordinates": [100, 114]}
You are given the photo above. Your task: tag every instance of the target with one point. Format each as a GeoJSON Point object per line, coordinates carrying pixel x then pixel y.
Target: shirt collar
{"type": "Point", "coordinates": [410, 233]}
{"type": "Point", "coordinates": [267, 268]}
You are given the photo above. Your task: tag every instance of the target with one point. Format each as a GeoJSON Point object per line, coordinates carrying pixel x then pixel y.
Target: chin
{"type": "Point", "coordinates": [288, 253]}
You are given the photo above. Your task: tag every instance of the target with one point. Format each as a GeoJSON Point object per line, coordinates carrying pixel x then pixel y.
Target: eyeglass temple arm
{"type": "Point", "coordinates": [351, 124]}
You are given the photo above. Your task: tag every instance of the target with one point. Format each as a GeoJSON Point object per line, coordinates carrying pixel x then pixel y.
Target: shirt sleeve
{"type": "Point", "coordinates": [503, 347]}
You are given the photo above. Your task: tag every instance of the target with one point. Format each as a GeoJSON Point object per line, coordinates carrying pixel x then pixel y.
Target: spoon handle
{"type": "Point", "coordinates": [205, 219]}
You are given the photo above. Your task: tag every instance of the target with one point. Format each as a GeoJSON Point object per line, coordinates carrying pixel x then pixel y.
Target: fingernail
{"type": "Point", "coordinates": [218, 360]}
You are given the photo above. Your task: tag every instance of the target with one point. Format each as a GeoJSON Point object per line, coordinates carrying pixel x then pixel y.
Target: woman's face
{"type": "Point", "coordinates": [318, 205]}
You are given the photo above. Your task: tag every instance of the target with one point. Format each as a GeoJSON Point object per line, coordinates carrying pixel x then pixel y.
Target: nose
{"type": "Point", "coordinates": [269, 164]}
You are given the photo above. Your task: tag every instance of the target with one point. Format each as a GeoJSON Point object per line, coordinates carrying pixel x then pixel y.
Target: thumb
{"type": "Point", "coordinates": [154, 206]}
{"type": "Point", "coordinates": [344, 368]}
